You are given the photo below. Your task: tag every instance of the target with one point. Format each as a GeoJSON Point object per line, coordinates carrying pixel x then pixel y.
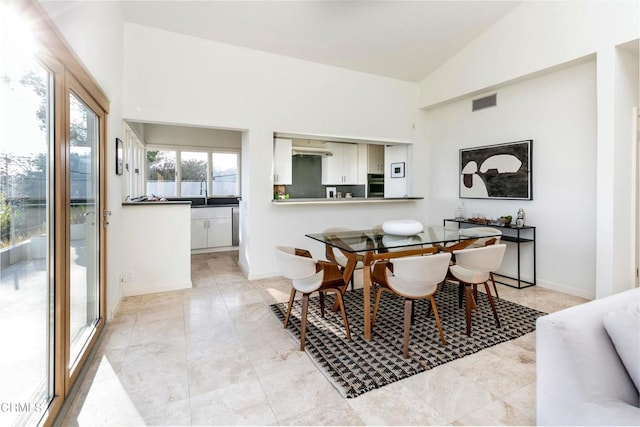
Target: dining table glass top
{"type": "Point", "coordinates": [376, 239]}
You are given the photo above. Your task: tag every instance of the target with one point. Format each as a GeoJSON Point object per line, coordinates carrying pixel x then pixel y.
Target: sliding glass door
{"type": "Point", "coordinates": [26, 229]}
{"type": "Point", "coordinates": [84, 237]}
{"type": "Point", "coordinates": [52, 191]}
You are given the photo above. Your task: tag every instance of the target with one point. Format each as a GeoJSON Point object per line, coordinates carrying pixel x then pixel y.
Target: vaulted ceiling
{"type": "Point", "coordinates": [403, 40]}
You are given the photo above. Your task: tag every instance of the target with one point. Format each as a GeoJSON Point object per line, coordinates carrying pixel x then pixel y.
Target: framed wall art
{"type": "Point", "coordinates": [501, 171]}
{"type": "Point", "coordinates": [397, 170]}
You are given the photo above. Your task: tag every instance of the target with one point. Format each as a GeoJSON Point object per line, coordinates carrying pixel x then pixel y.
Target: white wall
{"type": "Point", "coordinates": [537, 37]}
{"type": "Point", "coordinates": [533, 37]}
{"type": "Point", "coordinates": [558, 112]}
{"type": "Point", "coordinates": [93, 30]}
{"type": "Point", "coordinates": [627, 85]}
{"type": "Point", "coordinates": [191, 136]}
{"type": "Point", "coordinates": [157, 254]}
{"type": "Point", "coordinates": [397, 187]}
{"type": "Point", "coordinates": [172, 78]}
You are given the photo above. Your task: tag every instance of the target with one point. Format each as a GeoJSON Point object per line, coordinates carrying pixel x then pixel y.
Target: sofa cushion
{"type": "Point", "coordinates": [621, 325]}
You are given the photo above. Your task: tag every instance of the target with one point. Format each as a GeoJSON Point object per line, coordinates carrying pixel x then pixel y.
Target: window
{"type": "Point", "coordinates": [193, 174]}
{"type": "Point", "coordinates": [133, 183]}
{"type": "Point", "coordinates": [161, 173]}
{"type": "Point", "coordinates": [201, 173]}
{"type": "Point", "coordinates": [225, 174]}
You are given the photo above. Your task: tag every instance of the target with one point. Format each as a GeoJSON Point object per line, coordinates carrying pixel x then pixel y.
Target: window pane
{"type": "Point", "coordinates": [161, 173]}
{"type": "Point", "coordinates": [25, 211]}
{"type": "Point", "coordinates": [84, 249]}
{"type": "Point", "coordinates": [193, 174]}
{"type": "Point", "coordinates": [225, 174]}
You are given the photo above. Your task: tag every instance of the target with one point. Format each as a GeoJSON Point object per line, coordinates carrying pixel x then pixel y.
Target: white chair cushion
{"type": "Point", "coordinates": [418, 276]}
{"type": "Point", "coordinates": [469, 276]}
{"type": "Point", "coordinates": [411, 289]}
{"type": "Point", "coordinates": [308, 284]}
{"type": "Point", "coordinates": [622, 327]}
{"type": "Point", "coordinates": [402, 227]}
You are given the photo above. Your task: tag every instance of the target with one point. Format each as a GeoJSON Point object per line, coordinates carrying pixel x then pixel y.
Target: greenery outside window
{"type": "Point", "coordinates": [201, 173]}
{"type": "Point", "coordinates": [193, 173]}
{"type": "Point", "coordinates": [161, 172]}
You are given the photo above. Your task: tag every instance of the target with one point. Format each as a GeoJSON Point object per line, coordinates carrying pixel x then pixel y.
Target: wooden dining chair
{"type": "Point", "coordinates": [484, 241]}
{"type": "Point", "coordinates": [307, 276]}
{"type": "Point", "coordinates": [413, 278]}
{"type": "Point", "coordinates": [471, 269]}
{"type": "Point", "coordinates": [335, 255]}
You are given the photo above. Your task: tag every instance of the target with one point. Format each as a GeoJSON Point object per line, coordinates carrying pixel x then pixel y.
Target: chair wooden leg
{"type": "Point", "coordinates": [460, 293]}
{"type": "Point", "coordinates": [413, 312]}
{"type": "Point", "coordinates": [291, 297]}
{"type": "Point", "coordinates": [435, 314]}
{"type": "Point", "coordinates": [303, 320]}
{"type": "Point", "coordinates": [469, 304]}
{"type": "Point", "coordinates": [322, 304]}
{"type": "Point", "coordinates": [408, 305]}
{"type": "Point", "coordinates": [494, 285]}
{"type": "Point", "coordinates": [375, 306]}
{"type": "Point", "coordinates": [344, 313]}
{"type": "Point", "coordinates": [493, 304]}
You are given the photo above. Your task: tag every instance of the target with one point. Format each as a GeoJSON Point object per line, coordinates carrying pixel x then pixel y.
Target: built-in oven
{"type": "Point", "coordinates": [375, 185]}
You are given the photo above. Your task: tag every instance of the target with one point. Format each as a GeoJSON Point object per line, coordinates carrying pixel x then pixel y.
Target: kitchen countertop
{"type": "Point", "coordinates": [228, 205]}
{"type": "Point", "coordinates": [344, 200]}
{"type": "Point", "coordinates": [212, 202]}
{"type": "Point", "coordinates": [159, 202]}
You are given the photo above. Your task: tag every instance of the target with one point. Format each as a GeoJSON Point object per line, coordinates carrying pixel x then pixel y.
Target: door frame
{"type": "Point", "coordinates": [73, 85]}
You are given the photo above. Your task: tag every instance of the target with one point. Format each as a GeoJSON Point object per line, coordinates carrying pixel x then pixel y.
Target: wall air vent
{"type": "Point", "coordinates": [484, 102]}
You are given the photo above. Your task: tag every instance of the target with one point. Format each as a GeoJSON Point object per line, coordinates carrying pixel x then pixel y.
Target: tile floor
{"type": "Point", "coordinates": [215, 355]}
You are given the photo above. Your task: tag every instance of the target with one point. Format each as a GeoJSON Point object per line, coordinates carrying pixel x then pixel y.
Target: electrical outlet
{"type": "Point", "coordinates": [128, 276]}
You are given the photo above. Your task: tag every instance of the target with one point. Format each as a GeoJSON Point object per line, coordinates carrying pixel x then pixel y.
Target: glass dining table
{"type": "Point", "coordinates": [374, 244]}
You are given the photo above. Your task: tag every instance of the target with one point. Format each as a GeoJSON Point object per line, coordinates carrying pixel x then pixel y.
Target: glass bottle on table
{"type": "Point", "coordinates": [461, 213]}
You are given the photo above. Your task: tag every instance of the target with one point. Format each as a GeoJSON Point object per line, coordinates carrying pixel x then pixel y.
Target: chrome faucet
{"type": "Point", "coordinates": [203, 189]}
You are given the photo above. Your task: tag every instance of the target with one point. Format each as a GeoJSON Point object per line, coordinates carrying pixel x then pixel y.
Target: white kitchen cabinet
{"type": "Point", "coordinates": [342, 167]}
{"type": "Point", "coordinates": [375, 157]}
{"type": "Point", "coordinates": [282, 164]}
{"type": "Point", "coordinates": [210, 227]}
{"type": "Point", "coordinates": [363, 150]}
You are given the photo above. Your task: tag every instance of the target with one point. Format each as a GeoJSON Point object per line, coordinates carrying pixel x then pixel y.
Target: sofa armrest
{"type": "Point", "coordinates": [580, 378]}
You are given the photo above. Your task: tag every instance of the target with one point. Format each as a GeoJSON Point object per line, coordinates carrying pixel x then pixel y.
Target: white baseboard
{"type": "Point", "coordinates": [259, 276]}
{"type": "Point", "coordinates": [133, 289]}
{"type": "Point", "coordinates": [590, 295]}
{"type": "Point", "coordinates": [210, 250]}
{"type": "Point", "coordinates": [111, 314]}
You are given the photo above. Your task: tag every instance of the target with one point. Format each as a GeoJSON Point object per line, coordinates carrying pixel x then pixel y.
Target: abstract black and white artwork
{"type": "Point", "coordinates": [501, 171]}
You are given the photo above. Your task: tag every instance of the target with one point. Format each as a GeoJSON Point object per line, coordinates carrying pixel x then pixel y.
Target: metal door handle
{"type": "Point", "coordinates": [106, 214]}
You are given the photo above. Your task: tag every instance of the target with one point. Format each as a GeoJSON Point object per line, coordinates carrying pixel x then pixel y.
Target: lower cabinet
{"type": "Point", "coordinates": [210, 227]}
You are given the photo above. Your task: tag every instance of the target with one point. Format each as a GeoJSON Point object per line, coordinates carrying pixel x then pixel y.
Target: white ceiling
{"type": "Point", "coordinates": [404, 40]}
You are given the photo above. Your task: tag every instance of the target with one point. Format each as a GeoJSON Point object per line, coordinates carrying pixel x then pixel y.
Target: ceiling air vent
{"type": "Point", "coordinates": [486, 102]}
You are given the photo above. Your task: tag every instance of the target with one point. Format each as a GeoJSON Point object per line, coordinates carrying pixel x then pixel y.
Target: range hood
{"type": "Point", "coordinates": [310, 151]}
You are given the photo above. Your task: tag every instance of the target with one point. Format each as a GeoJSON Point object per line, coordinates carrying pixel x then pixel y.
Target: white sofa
{"type": "Point", "coordinates": [581, 379]}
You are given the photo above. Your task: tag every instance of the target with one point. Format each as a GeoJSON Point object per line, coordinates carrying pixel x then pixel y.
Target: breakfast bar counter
{"type": "Point", "coordinates": [343, 200]}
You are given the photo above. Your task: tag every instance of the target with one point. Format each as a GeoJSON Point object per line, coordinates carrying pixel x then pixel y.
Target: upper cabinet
{"type": "Point", "coordinates": [375, 158]}
{"type": "Point", "coordinates": [340, 168]}
{"type": "Point", "coordinates": [282, 169]}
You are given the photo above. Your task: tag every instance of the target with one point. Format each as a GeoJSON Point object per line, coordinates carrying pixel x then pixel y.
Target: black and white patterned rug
{"type": "Point", "coordinates": [358, 366]}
